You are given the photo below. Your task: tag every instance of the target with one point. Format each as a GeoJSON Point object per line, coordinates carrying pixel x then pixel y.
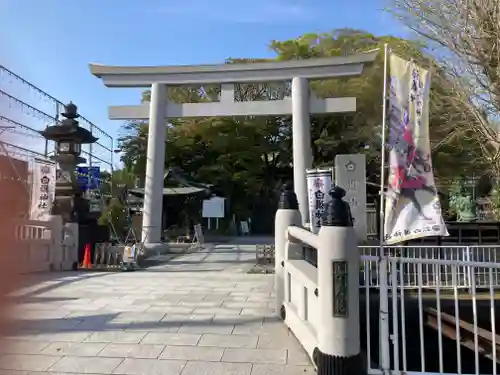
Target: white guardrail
{"type": "Point", "coordinates": [320, 305]}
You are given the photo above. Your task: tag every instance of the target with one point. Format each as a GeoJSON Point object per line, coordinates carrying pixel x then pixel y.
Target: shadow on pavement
{"type": "Point", "coordinates": [28, 299]}
{"type": "Point", "coordinates": [36, 284]}
{"type": "Point", "coordinates": [104, 322]}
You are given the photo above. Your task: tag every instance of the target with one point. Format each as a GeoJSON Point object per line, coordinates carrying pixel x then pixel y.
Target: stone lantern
{"type": "Point", "coordinates": [68, 137]}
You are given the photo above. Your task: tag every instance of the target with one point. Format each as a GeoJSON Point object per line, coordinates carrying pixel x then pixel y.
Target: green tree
{"type": "Point", "coordinates": [112, 183]}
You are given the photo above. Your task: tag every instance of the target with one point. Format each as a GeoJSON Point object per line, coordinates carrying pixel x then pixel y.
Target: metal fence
{"type": "Point", "coordinates": [443, 331]}
{"type": "Point", "coordinates": [26, 110]}
{"type": "Point", "coordinates": [370, 257]}
{"type": "Point", "coordinates": [413, 277]}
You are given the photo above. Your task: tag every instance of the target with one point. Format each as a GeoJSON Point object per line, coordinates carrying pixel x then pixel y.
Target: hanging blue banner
{"type": "Point", "coordinates": [88, 178]}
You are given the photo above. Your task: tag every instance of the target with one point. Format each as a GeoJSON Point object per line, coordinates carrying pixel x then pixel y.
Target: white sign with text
{"type": "Point", "coordinates": [44, 190]}
{"type": "Point", "coordinates": [319, 183]}
{"type": "Point", "coordinates": [213, 207]}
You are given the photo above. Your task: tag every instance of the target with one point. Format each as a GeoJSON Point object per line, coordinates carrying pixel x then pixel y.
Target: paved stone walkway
{"type": "Point", "coordinates": [200, 314]}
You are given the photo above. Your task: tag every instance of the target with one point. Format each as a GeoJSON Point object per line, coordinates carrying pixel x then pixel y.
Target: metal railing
{"type": "Point", "coordinates": [476, 253]}
{"type": "Point", "coordinates": [444, 330]}
{"type": "Point", "coordinates": [409, 274]}
{"type": "Point", "coordinates": [372, 226]}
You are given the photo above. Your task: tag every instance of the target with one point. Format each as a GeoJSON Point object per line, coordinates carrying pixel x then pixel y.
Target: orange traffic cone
{"type": "Point", "coordinates": [86, 258]}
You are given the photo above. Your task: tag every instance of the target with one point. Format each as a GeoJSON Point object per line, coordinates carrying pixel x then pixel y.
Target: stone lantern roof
{"type": "Point", "coordinates": [69, 129]}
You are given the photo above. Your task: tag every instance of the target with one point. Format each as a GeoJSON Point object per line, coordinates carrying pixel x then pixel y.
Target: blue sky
{"type": "Point", "coordinates": [51, 42]}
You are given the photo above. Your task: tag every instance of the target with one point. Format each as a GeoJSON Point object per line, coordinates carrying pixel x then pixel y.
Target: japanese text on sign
{"type": "Point", "coordinates": [43, 201]}
{"type": "Point", "coordinates": [319, 183]}
{"type": "Point", "coordinates": [319, 197]}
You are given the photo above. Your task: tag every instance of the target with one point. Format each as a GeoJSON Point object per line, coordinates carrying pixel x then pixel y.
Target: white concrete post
{"type": "Point", "coordinates": [301, 140]}
{"type": "Point", "coordinates": [155, 166]}
{"type": "Point", "coordinates": [56, 237]}
{"type": "Point", "coordinates": [338, 351]}
{"type": "Point", "coordinates": [286, 215]}
{"type": "Point", "coordinates": [70, 246]}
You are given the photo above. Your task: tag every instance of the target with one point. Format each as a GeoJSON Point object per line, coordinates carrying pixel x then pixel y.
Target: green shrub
{"type": "Point", "coordinates": [114, 213]}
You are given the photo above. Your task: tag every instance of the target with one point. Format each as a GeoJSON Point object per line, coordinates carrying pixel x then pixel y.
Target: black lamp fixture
{"type": "Point", "coordinates": [68, 147]}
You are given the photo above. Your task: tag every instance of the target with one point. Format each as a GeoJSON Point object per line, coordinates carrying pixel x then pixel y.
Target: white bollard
{"type": "Point", "coordinates": [338, 351]}
{"type": "Point", "coordinates": [286, 215]}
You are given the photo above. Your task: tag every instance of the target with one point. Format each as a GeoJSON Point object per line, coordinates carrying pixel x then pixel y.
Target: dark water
{"type": "Point", "coordinates": [431, 346]}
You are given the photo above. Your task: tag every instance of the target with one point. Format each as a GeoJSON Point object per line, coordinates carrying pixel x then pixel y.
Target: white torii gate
{"type": "Point", "coordinates": [159, 109]}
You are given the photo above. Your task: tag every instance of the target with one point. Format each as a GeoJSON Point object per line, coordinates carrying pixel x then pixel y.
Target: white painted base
{"type": "Point", "coordinates": [155, 248]}
{"type": "Point", "coordinates": [303, 331]}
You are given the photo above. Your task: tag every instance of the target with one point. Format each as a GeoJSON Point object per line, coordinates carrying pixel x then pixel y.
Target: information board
{"type": "Point", "coordinates": [213, 207]}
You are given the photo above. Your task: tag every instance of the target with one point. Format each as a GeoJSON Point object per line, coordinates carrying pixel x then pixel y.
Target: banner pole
{"type": "Point", "coordinates": [382, 156]}
{"type": "Point", "coordinates": [384, 336]}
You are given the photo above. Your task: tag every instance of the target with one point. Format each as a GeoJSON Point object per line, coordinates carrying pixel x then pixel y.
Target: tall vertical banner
{"type": "Point", "coordinates": [44, 190]}
{"type": "Point", "coordinates": [412, 207]}
{"type": "Point", "coordinates": [319, 183]}
{"type": "Point", "coordinates": [350, 174]}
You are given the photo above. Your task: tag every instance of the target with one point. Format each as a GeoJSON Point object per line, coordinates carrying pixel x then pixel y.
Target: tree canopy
{"type": "Point", "coordinates": [248, 158]}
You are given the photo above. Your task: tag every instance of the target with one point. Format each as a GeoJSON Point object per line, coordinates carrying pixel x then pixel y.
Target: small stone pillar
{"type": "Point", "coordinates": [286, 215]}
{"type": "Point", "coordinates": [338, 351]}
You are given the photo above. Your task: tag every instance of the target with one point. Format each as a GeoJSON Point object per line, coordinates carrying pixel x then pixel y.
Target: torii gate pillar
{"type": "Point", "coordinates": [301, 142]}
{"type": "Point", "coordinates": [155, 168]}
